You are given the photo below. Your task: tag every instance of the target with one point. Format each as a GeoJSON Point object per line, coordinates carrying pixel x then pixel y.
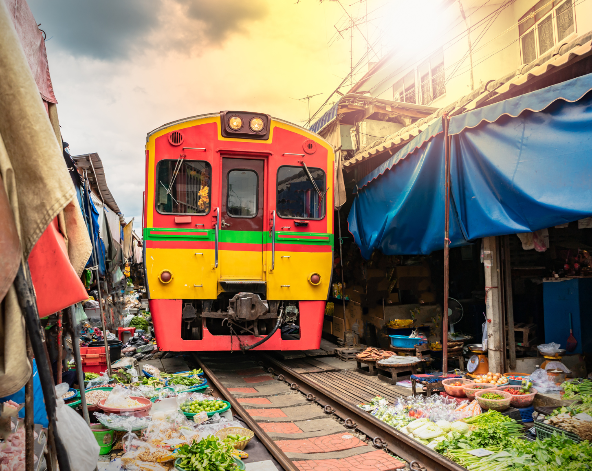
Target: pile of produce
{"type": "Point", "coordinates": [195, 407]}
{"type": "Point", "coordinates": [139, 322]}
{"type": "Point", "coordinates": [90, 376]}
{"type": "Point", "coordinates": [188, 381]}
{"type": "Point", "coordinates": [374, 354]}
{"type": "Point", "coordinates": [233, 438]}
{"type": "Point", "coordinates": [400, 323]}
{"type": "Point", "coordinates": [209, 454]}
{"type": "Point", "coordinates": [577, 388]}
{"type": "Point", "coordinates": [492, 378]}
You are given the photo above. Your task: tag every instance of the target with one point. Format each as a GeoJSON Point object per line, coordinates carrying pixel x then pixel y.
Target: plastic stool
{"type": "Point", "coordinates": [125, 333]}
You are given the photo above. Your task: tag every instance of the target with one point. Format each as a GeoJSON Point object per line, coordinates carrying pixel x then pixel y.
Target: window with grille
{"type": "Point", "coordinates": [543, 26]}
{"type": "Point", "coordinates": [432, 83]}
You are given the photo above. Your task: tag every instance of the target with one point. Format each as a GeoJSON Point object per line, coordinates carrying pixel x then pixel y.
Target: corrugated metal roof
{"type": "Point", "coordinates": [561, 55]}
{"type": "Point", "coordinates": [96, 175]}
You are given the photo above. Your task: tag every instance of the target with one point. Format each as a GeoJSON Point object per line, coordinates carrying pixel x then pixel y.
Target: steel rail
{"type": "Point", "coordinates": [275, 451]}
{"type": "Point", "coordinates": [383, 435]}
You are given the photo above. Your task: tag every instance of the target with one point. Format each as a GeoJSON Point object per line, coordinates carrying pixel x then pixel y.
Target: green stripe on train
{"type": "Point", "coordinates": [236, 237]}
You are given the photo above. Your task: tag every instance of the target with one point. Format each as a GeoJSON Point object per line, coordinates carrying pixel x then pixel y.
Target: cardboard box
{"type": "Point", "coordinates": [338, 311]}
{"type": "Point", "coordinates": [393, 298]}
{"type": "Point", "coordinates": [338, 327]}
{"type": "Point", "coordinates": [375, 273]}
{"type": "Point", "coordinates": [418, 271]}
{"type": "Point", "coordinates": [425, 285]}
{"type": "Point", "coordinates": [427, 297]}
{"type": "Point", "coordinates": [355, 294]}
{"type": "Point", "coordinates": [327, 327]}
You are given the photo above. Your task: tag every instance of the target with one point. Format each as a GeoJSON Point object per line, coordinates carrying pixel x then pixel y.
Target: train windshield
{"type": "Point", "coordinates": [184, 186]}
{"type": "Point", "coordinates": [300, 193]}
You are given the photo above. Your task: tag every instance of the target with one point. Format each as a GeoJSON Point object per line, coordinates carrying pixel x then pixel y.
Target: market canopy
{"type": "Point", "coordinates": [516, 166]}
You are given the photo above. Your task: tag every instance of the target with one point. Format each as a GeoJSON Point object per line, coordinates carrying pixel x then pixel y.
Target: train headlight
{"type": "Point", "coordinates": [314, 279]}
{"type": "Point", "coordinates": [235, 123]}
{"type": "Point", "coordinates": [256, 124]}
{"type": "Point", "coordinates": [165, 276]}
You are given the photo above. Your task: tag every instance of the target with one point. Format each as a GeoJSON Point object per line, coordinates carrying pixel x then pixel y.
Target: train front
{"type": "Point", "coordinates": [238, 233]}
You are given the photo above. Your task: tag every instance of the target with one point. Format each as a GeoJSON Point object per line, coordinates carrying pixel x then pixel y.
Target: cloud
{"type": "Point", "coordinates": [110, 30]}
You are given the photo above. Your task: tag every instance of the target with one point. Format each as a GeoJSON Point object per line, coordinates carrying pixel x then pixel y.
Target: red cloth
{"type": "Point", "coordinates": [56, 284]}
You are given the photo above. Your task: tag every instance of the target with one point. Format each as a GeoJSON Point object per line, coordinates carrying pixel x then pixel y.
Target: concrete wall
{"type": "Point", "coordinates": [495, 54]}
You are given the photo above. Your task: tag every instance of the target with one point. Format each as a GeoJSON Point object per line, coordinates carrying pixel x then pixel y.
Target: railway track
{"type": "Point", "coordinates": [309, 421]}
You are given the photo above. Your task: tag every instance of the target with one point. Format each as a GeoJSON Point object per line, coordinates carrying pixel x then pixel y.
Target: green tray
{"type": "Point", "coordinates": [545, 431]}
{"type": "Point", "coordinates": [240, 466]}
{"type": "Point", "coordinates": [210, 414]}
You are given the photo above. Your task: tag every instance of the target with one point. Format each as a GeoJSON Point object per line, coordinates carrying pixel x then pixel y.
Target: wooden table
{"type": "Point", "coordinates": [392, 371]}
{"type": "Point", "coordinates": [370, 371]}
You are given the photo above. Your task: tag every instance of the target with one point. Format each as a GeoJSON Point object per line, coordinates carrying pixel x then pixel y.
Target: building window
{"type": "Point", "coordinates": [404, 89]}
{"type": "Point", "coordinates": [431, 82]}
{"type": "Point", "coordinates": [543, 26]}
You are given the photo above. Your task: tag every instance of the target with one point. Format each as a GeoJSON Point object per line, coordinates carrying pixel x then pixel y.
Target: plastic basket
{"type": "Point", "coordinates": [244, 432]}
{"type": "Point", "coordinates": [190, 415]}
{"type": "Point", "coordinates": [240, 466]}
{"type": "Point", "coordinates": [545, 431]}
{"type": "Point", "coordinates": [401, 341]}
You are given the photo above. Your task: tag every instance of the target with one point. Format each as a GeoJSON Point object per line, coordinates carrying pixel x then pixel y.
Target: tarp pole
{"type": "Point", "coordinates": [446, 244]}
{"type": "Point", "coordinates": [96, 264]}
{"type": "Point", "coordinates": [78, 362]}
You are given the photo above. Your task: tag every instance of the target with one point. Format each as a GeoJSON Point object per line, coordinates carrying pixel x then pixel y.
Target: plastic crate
{"type": "Point", "coordinates": [401, 341]}
{"type": "Point", "coordinates": [545, 431]}
{"type": "Point", "coordinates": [94, 359]}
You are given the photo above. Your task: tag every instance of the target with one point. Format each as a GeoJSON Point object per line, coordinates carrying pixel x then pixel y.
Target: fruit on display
{"type": "Point", "coordinates": [195, 407]}
{"type": "Point", "coordinates": [491, 378]}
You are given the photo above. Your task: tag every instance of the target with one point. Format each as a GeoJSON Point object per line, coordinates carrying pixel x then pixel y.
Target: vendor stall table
{"type": "Point", "coordinates": [370, 370]}
{"type": "Point", "coordinates": [431, 382]}
{"type": "Point", "coordinates": [389, 373]}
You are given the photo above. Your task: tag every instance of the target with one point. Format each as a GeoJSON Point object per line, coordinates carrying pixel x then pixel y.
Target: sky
{"type": "Point", "coordinates": [121, 68]}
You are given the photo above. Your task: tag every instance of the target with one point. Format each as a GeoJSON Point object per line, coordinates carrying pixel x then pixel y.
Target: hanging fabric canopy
{"type": "Point", "coordinates": [517, 166]}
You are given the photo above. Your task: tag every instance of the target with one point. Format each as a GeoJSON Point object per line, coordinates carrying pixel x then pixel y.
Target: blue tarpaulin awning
{"type": "Point", "coordinates": [517, 166]}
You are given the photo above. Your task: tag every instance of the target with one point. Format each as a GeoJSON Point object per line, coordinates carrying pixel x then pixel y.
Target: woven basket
{"type": "Point", "coordinates": [244, 432]}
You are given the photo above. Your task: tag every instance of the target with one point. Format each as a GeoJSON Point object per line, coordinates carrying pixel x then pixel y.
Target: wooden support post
{"type": "Point", "coordinates": [495, 327]}
{"type": "Point", "coordinates": [29, 416]}
{"type": "Point", "coordinates": [509, 302]}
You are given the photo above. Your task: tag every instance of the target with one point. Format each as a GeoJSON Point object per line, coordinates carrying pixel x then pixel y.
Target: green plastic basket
{"type": "Point", "coordinates": [545, 431]}
{"type": "Point", "coordinates": [210, 414]}
{"type": "Point", "coordinates": [104, 438]}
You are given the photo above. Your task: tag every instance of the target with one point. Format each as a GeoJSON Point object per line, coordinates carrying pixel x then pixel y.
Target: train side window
{"type": "Point", "coordinates": [243, 188]}
{"type": "Point", "coordinates": [183, 186]}
{"type": "Point", "coordinates": [297, 196]}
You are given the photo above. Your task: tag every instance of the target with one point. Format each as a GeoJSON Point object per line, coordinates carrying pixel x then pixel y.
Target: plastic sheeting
{"type": "Point", "coordinates": [525, 171]}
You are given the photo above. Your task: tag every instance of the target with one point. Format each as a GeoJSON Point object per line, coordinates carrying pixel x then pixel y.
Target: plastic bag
{"type": "Point", "coordinates": [557, 365]}
{"type": "Point", "coordinates": [117, 276]}
{"type": "Point", "coordinates": [100, 381]}
{"type": "Point", "coordinates": [541, 382]}
{"type": "Point", "coordinates": [549, 348]}
{"type": "Point", "coordinates": [119, 398]}
{"type": "Point", "coordinates": [484, 336]}
{"type": "Point", "coordinates": [75, 434]}
{"type": "Point", "coordinates": [80, 317]}
{"type": "Point", "coordinates": [127, 422]}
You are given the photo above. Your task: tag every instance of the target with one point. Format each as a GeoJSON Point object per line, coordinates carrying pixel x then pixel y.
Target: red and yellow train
{"type": "Point", "coordinates": [238, 233]}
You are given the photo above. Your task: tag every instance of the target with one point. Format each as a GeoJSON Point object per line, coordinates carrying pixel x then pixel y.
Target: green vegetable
{"type": "Point", "coordinates": [139, 322]}
{"type": "Point", "coordinates": [576, 387]}
{"type": "Point", "coordinates": [233, 438]}
{"type": "Point", "coordinates": [209, 454]}
{"type": "Point", "coordinates": [90, 376]}
{"type": "Point", "coordinates": [494, 396]}
{"type": "Point", "coordinates": [187, 380]}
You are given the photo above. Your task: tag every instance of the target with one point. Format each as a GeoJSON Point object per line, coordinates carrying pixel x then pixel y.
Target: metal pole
{"type": "Point", "coordinates": [27, 302]}
{"type": "Point", "coordinates": [341, 263]}
{"type": "Point", "coordinates": [60, 342]}
{"type": "Point", "coordinates": [96, 263]}
{"type": "Point", "coordinates": [446, 245]}
{"type": "Point", "coordinates": [78, 362]}
{"type": "Point", "coordinates": [29, 416]}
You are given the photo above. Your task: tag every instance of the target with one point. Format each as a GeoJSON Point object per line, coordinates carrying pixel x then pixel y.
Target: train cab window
{"type": "Point", "coordinates": [243, 188]}
{"type": "Point", "coordinates": [297, 196]}
{"type": "Point", "coordinates": [183, 187]}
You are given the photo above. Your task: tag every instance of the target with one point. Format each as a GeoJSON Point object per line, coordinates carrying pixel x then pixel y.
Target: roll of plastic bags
{"type": "Point", "coordinates": [76, 435]}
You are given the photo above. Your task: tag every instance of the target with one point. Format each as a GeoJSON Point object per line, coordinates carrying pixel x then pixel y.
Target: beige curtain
{"type": "Point", "coordinates": [333, 137]}
{"type": "Point", "coordinates": [38, 185]}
